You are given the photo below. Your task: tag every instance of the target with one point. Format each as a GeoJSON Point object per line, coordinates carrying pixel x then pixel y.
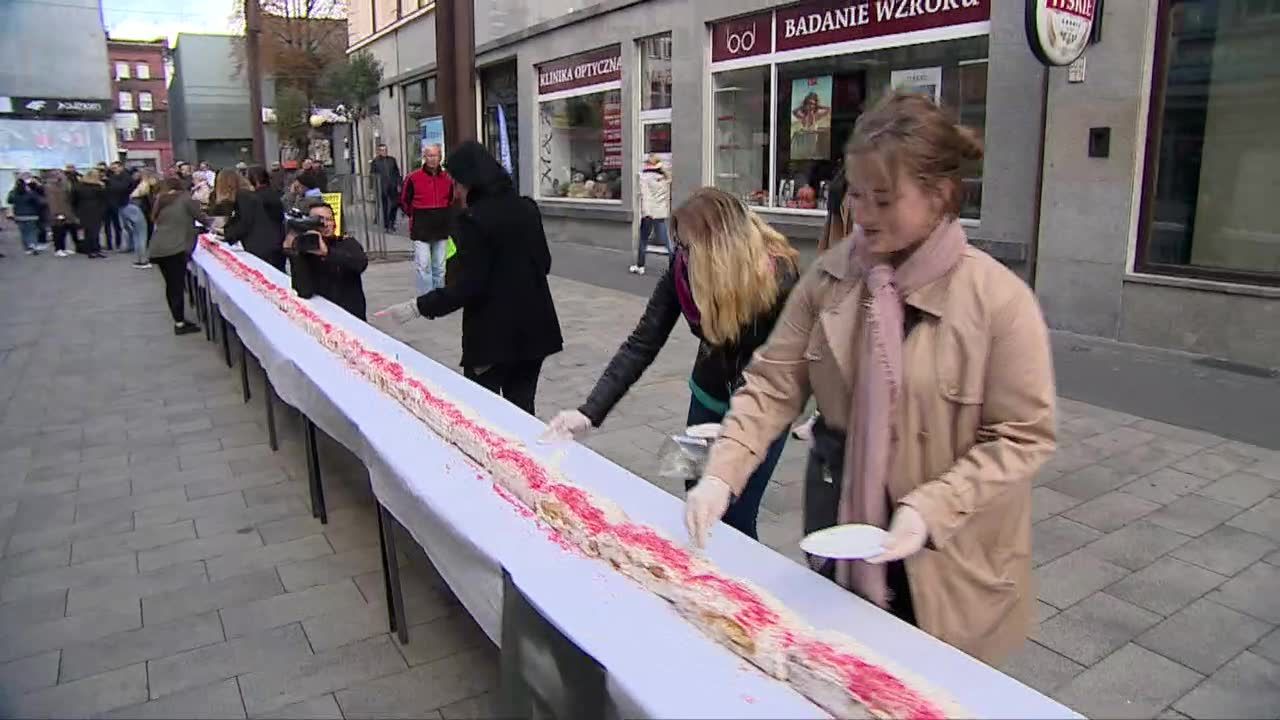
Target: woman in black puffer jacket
{"type": "Point", "coordinates": [730, 277]}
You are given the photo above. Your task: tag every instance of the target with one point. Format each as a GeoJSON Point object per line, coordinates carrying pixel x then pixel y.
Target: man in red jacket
{"type": "Point", "coordinates": [427, 198]}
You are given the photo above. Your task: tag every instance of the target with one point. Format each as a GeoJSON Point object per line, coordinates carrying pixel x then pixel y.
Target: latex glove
{"type": "Point", "coordinates": [803, 431]}
{"type": "Point", "coordinates": [907, 534]}
{"type": "Point", "coordinates": [399, 314]}
{"type": "Point", "coordinates": [705, 504]}
{"type": "Point", "coordinates": [565, 426]}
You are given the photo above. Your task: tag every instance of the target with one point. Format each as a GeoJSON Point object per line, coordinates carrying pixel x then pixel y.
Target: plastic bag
{"type": "Point", "coordinates": [683, 457]}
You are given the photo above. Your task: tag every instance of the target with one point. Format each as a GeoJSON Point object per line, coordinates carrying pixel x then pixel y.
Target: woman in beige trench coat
{"type": "Point", "coordinates": [930, 365]}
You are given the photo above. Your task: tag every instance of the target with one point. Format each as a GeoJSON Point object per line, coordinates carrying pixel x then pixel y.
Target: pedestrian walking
{"type": "Point", "coordinates": [26, 204]}
{"type": "Point", "coordinates": [509, 323]}
{"type": "Point", "coordinates": [386, 171]}
{"type": "Point", "coordinates": [62, 214]}
{"type": "Point", "coordinates": [90, 202]}
{"type": "Point", "coordinates": [176, 215]}
{"type": "Point", "coordinates": [427, 198]}
{"type": "Point", "coordinates": [730, 276]}
{"type": "Point", "coordinates": [134, 217]}
{"type": "Point", "coordinates": [119, 185]}
{"type": "Point", "coordinates": [655, 205]}
{"type": "Point", "coordinates": [930, 365]}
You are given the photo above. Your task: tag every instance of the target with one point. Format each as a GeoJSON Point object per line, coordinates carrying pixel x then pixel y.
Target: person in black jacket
{"type": "Point", "coordinates": [89, 200]}
{"type": "Point", "coordinates": [328, 265]}
{"type": "Point", "coordinates": [272, 213]}
{"type": "Point", "coordinates": [509, 322]}
{"type": "Point", "coordinates": [730, 277]}
{"type": "Point", "coordinates": [119, 185]}
{"type": "Point", "coordinates": [253, 226]}
{"type": "Point", "coordinates": [387, 171]}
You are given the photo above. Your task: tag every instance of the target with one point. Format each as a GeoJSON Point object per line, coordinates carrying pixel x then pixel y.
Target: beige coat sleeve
{"type": "Point", "coordinates": [776, 386]}
{"type": "Point", "coordinates": [1017, 431]}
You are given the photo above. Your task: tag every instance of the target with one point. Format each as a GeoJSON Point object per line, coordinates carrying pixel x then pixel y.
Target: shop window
{"type": "Point", "coordinates": [148, 132]}
{"type": "Point", "coordinates": [127, 134]}
{"type": "Point", "coordinates": [143, 71]}
{"type": "Point", "coordinates": [1212, 150]}
{"type": "Point", "coordinates": [741, 158]}
{"type": "Point", "coordinates": [122, 71]}
{"type": "Point", "coordinates": [144, 101]}
{"type": "Point", "coordinates": [420, 108]}
{"type": "Point", "coordinates": [655, 72]}
{"type": "Point", "coordinates": [124, 99]}
{"type": "Point", "coordinates": [580, 147]}
{"type": "Point", "coordinates": [820, 100]}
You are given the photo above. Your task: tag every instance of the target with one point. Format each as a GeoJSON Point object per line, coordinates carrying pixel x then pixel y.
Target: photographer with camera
{"type": "Point", "coordinates": [324, 263]}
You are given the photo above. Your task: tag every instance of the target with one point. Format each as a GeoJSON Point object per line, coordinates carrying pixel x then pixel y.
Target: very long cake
{"type": "Point", "coordinates": [832, 670]}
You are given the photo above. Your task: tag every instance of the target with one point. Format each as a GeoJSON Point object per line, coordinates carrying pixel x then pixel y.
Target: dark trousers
{"type": "Point", "coordinates": [173, 268]}
{"type": "Point", "coordinates": [115, 231]}
{"type": "Point", "coordinates": [517, 381]}
{"type": "Point", "coordinates": [60, 233]}
{"type": "Point", "coordinates": [92, 242]}
{"type": "Point", "coordinates": [389, 209]}
{"type": "Point", "coordinates": [742, 513]}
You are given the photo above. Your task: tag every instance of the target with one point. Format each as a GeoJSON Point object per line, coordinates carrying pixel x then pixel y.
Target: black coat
{"type": "Point", "coordinates": [119, 186]}
{"type": "Point", "coordinates": [335, 276]}
{"type": "Point", "coordinates": [503, 260]}
{"type": "Point", "coordinates": [717, 370]}
{"type": "Point", "coordinates": [254, 228]}
{"type": "Point", "coordinates": [90, 201]}
{"type": "Point", "coordinates": [388, 172]}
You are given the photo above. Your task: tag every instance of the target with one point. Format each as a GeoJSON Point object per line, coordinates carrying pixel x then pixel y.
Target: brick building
{"type": "Point", "coordinates": [142, 100]}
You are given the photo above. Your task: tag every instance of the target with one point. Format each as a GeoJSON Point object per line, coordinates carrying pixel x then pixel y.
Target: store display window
{"type": "Point", "coordinates": [580, 127]}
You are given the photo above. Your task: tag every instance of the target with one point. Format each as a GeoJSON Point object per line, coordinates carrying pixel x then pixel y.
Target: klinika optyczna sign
{"type": "Point", "coordinates": [582, 70]}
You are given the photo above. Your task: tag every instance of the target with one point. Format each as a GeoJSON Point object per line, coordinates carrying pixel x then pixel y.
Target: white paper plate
{"type": "Point", "coordinates": [845, 542]}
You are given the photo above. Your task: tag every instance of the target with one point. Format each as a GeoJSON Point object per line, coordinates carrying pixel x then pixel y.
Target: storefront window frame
{"type": "Point", "coordinates": [774, 58]}
{"type": "Point", "coordinates": [596, 89]}
{"type": "Point", "coordinates": [1150, 172]}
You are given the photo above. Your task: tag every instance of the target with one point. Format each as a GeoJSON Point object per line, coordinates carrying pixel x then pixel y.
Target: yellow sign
{"type": "Point", "coordinates": [334, 201]}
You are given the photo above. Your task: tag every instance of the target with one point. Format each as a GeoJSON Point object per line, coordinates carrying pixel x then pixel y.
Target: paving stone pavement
{"type": "Point", "coordinates": [160, 561]}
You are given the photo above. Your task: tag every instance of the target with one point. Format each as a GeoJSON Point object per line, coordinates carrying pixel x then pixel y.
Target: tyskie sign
{"type": "Point", "coordinates": [1059, 30]}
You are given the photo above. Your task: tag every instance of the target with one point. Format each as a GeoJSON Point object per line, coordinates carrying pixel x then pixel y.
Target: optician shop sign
{"type": "Point", "coordinates": [581, 70]}
{"type": "Point", "coordinates": [828, 22]}
{"type": "Point", "coordinates": [1059, 30]}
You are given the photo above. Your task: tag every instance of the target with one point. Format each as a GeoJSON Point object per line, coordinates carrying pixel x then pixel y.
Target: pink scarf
{"type": "Point", "coordinates": [870, 448]}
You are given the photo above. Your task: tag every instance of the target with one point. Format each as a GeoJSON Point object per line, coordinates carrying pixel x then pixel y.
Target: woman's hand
{"type": "Point", "coordinates": [705, 504]}
{"type": "Point", "coordinates": [290, 239]}
{"type": "Point", "coordinates": [565, 426]}
{"type": "Point", "coordinates": [398, 314]}
{"type": "Point", "coordinates": [907, 534]}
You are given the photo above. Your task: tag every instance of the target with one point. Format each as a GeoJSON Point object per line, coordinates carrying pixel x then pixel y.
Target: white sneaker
{"type": "Point", "coordinates": [635, 270]}
{"type": "Point", "coordinates": [61, 253]}
{"type": "Point", "coordinates": [31, 251]}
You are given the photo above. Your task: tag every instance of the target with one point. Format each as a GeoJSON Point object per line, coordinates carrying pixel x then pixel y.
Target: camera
{"type": "Point", "coordinates": [306, 228]}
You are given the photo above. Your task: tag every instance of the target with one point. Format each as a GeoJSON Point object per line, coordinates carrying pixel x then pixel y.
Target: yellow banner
{"type": "Point", "coordinates": [335, 201]}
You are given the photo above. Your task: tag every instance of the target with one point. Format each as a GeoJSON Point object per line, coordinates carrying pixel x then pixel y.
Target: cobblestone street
{"type": "Point", "coordinates": [159, 560]}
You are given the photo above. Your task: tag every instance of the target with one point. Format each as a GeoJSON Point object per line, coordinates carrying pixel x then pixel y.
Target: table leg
{"type": "Point", "coordinates": [270, 393]}
{"type": "Point", "coordinates": [389, 523]}
{"type": "Point", "coordinates": [226, 343]}
{"type": "Point", "coordinates": [244, 367]}
{"type": "Point", "coordinates": [313, 470]}
{"type": "Point", "coordinates": [214, 315]}
{"type": "Point", "coordinates": [386, 573]}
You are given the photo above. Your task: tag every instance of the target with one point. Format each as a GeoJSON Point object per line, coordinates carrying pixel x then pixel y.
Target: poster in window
{"type": "Point", "coordinates": [926, 81]}
{"type": "Point", "coordinates": [811, 118]}
{"type": "Point", "coordinates": [431, 132]}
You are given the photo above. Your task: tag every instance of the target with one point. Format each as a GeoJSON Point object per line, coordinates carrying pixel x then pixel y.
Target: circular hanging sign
{"type": "Point", "coordinates": [1059, 30]}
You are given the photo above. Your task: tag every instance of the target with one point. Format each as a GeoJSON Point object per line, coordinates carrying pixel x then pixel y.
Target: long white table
{"type": "Point", "coordinates": [658, 665]}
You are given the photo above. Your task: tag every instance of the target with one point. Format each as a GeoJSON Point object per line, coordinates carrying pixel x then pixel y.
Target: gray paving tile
{"type": "Point", "coordinates": [95, 492]}
{"type": "Point", "coordinates": [1136, 545]}
{"type": "Point", "coordinates": [292, 607]}
{"type": "Point", "coordinates": [343, 628]}
{"type": "Point", "coordinates": [1075, 576]}
{"type": "Point", "coordinates": [1204, 635]}
{"type": "Point", "coordinates": [232, 483]}
{"type": "Point", "coordinates": [432, 685]}
{"type": "Point", "coordinates": [1110, 512]}
{"type": "Point", "coordinates": [1193, 515]}
{"type": "Point", "coordinates": [28, 674]}
{"type": "Point", "coordinates": [126, 591]}
{"type": "Point", "coordinates": [1090, 482]}
{"type": "Point", "coordinates": [1253, 592]}
{"type": "Point", "coordinates": [35, 561]}
{"type": "Point", "coordinates": [1046, 502]}
{"type": "Point", "coordinates": [229, 592]}
{"type": "Point", "coordinates": [1148, 458]}
{"type": "Point", "coordinates": [84, 698]}
{"type": "Point", "coordinates": [282, 685]}
{"type": "Point", "coordinates": [282, 646]}
{"type": "Point", "coordinates": [1119, 440]}
{"type": "Point", "coordinates": [324, 707]}
{"type": "Point", "coordinates": [126, 648]}
{"type": "Point", "coordinates": [442, 637]}
{"type": "Point", "coordinates": [1269, 647]}
{"type": "Point", "coordinates": [277, 492]}
{"type": "Point", "coordinates": [197, 549]}
{"type": "Point", "coordinates": [1094, 628]}
{"type": "Point", "coordinates": [1246, 687]}
{"type": "Point", "coordinates": [129, 503]}
{"type": "Point", "coordinates": [236, 519]}
{"type": "Point", "coordinates": [1130, 683]}
{"type": "Point", "coordinates": [188, 510]}
{"type": "Point", "coordinates": [1165, 485]}
{"type": "Point", "coordinates": [1263, 519]}
{"type": "Point", "coordinates": [1166, 586]}
{"type": "Point", "coordinates": [360, 532]}
{"type": "Point", "coordinates": [22, 640]}
{"type": "Point", "coordinates": [1039, 667]}
{"type": "Point", "coordinates": [1211, 464]}
{"type": "Point", "coordinates": [1225, 550]}
{"type": "Point", "coordinates": [1057, 536]}
{"type": "Point", "coordinates": [131, 542]}
{"type": "Point", "coordinates": [212, 702]}
{"type": "Point", "coordinates": [484, 705]}
{"type": "Point", "coordinates": [268, 556]}
{"type": "Point", "coordinates": [1197, 438]}
{"type": "Point", "coordinates": [74, 576]}
{"type": "Point", "coordinates": [1242, 489]}
{"type": "Point", "coordinates": [329, 568]}
{"type": "Point", "coordinates": [34, 609]}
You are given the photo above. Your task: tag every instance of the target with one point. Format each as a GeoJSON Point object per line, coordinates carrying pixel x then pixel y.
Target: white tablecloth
{"type": "Point", "coordinates": [658, 664]}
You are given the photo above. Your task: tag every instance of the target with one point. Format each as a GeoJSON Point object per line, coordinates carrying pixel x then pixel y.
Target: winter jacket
{"type": "Point", "coordinates": [334, 276]}
{"type": "Point", "coordinates": [717, 369]}
{"type": "Point", "coordinates": [90, 202]}
{"type": "Point", "coordinates": [175, 232]}
{"type": "Point", "coordinates": [119, 186]}
{"type": "Point", "coordinates": [503, 260]}
{"type": "Point", "coordinates": [61, 211]}
{"type": "Point", "coordinates": [250, 226]}
{"type": "Point", "coordinates": [387, 170]}
{"type": "Point", "coordinates": [427, 198]}
{"type": "Point", "coordinates": [655, 193]}
{"type": "Point", "coordinates": [26, 201]}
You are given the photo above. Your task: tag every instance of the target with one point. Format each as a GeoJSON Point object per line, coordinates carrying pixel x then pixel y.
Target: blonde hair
{"type": "Point", "coordinates": [732, 259]}
{"type": "Point", "coordinates": [908, 131]}
{"type": "Point", "coordinates": [226, 184]}
{"type": "Point", "coordinates": [93, 177]}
